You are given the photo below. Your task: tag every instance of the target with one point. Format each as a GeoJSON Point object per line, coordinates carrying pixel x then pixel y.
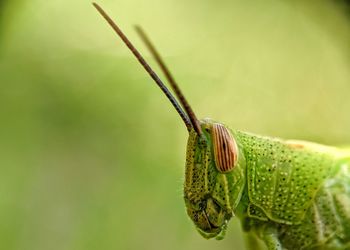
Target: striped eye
{"type": "Point", "coordinates": [225, 148]}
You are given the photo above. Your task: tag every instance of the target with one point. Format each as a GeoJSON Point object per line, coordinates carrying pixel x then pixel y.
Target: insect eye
{"type": "Point", "coordinates": [225, 148]}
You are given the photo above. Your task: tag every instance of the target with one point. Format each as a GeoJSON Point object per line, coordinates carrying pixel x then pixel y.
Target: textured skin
{"type": "Point", "coordinates": [291, 194]}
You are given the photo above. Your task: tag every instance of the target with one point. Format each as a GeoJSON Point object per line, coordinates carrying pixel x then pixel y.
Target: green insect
{"type": "Point", "coordinates": [289, 194]}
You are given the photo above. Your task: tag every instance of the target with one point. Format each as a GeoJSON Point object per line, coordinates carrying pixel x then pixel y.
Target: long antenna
{"type": "Point", "coordinates": [146, 66]}
{"type": "Point", "coordinates": [171, 80]}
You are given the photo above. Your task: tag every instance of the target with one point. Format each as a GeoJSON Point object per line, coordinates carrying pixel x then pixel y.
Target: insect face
{"type": "Point", "coordinates": [208, 186]}
{"type": "Point", "coordinates": [214, 177]}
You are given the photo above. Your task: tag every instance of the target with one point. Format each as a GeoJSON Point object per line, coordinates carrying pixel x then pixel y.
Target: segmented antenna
{"type": "Point", "coordinates": [171, 80]}
{"type": "Point", "coordinates": [145, 66]}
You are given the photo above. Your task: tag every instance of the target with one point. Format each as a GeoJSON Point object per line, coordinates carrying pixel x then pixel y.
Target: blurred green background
{"type": "Point", "coordinates": [92, 154]}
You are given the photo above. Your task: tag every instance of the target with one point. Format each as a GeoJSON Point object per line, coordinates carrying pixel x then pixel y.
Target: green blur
{"type": "Point", "coordinates": [92, 154]}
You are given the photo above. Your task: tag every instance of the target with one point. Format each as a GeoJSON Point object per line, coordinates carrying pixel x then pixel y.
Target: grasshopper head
{"type": "Point", "coordinates": [211, 152]}
{"type": "Point", "coordinates": [209, 182]}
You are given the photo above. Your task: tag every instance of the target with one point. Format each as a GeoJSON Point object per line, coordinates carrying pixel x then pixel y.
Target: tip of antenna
{"type": "Point", "coordinates": [96, 5]}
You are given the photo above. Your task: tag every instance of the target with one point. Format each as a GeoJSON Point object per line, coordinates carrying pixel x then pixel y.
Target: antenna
{"type": "Point", "coordinates": [171, 80]}
{"type": "Point", "coordinates": [145, 66]}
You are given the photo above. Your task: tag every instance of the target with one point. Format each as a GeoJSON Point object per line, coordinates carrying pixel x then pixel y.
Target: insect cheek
{"type": "Point", "coordinates": [225, 149]}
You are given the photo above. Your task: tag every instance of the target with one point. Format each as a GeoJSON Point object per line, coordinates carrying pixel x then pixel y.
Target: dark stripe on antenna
{"type": "Point", "coordinates": [145, 66]}
{"type": "Point", "coordinates": [171, 80]}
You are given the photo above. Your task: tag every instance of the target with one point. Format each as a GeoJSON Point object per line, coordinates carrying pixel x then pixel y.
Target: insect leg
{"type": "Point", "coordinates": [270, 237]}
{"type": "Point", "coordinates": [253, 242]}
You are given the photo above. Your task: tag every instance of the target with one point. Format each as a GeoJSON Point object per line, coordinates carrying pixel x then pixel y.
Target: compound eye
{"type": "Point", "coordinates": [225, 148]}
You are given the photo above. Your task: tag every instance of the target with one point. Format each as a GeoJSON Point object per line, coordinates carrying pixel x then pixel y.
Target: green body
{"type": "Point", "coordinates": [290, 194]}
{"type": "Point", "coordinates": [293, 195]}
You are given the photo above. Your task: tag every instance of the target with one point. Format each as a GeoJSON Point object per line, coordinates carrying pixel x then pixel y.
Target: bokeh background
{"type": "Point", "coordinates": [92, 154]}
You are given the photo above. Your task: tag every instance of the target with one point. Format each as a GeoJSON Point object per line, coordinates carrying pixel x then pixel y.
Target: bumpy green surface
{"type": "Point", "coordinates": [298, 193]}
{"type": "Point", "coordinates": [283, 178]}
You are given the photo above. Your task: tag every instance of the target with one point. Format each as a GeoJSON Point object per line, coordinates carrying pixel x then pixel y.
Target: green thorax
{"type": "Point", "coordinates": [283, 177]}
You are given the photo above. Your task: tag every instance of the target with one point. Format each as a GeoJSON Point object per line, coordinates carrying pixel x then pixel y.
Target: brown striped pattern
{"type": "Point", "coordinates": [225, 149]}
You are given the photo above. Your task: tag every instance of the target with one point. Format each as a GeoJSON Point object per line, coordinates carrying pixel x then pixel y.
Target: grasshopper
{"type": "Point", "coordinates": [290, 194]}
